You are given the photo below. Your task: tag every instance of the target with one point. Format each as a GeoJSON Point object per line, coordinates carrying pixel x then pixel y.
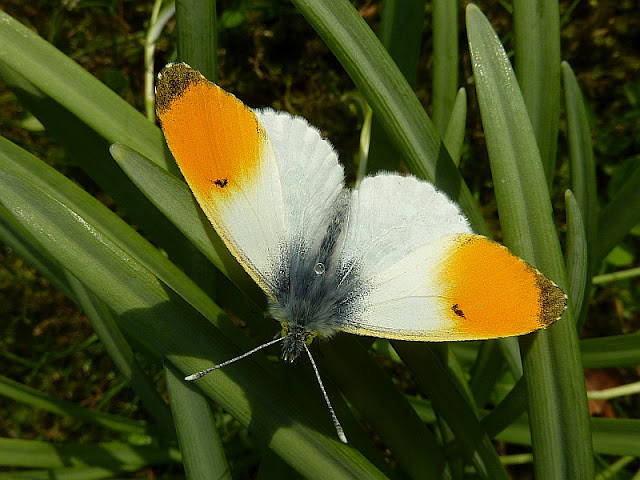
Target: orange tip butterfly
{"type": "Point", "coordinates": [394, 258]}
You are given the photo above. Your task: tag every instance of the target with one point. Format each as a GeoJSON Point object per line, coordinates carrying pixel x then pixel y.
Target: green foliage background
{"type": "Point", "coordinates": [164, 298]}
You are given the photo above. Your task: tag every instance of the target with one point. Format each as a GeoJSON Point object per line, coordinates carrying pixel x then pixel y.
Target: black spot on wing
{"type": "Point", "coordinates": [458, 311]}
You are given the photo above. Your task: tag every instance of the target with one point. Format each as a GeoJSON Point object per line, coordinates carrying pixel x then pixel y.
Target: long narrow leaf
{"type": "Point", "coordinates": [401, 35]}
{"type": "Point", "coordinates": [123, 356]}
{"type": "Point", "coordinates": [198, 35]}
{"type": "Point", "coordinates": [36, 399]}
{"type": "Point", "coordinates": [200, 444]}
{"type": "Point", "coordinates": [445, 62]}
{"type": "Point", "coordinates": [471, 438]}
{"type": "Point", "coordinates": [619, 216]}
{"type": "Point", "coordinates": [583, 179]}
{"type": "Point", "coordinates": [553, 371]}
{"type": "Point", "coordinates": [114, 455]}
{"type": "Point", "coordinates": [537, 52]}
{"type": "Point", "coordinates": [611, 352]}
{"type": "Point", "coordinates": [66, 82]}
{"type": "Point", "coordinates": [454, 136]}
{"type": "Point", "coordinates": [173, 198]}
{"type": "Point", "coordinates": [576, 255]}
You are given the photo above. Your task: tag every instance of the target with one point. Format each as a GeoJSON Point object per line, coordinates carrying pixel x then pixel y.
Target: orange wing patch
{"type": "Point", "coordinates": [216, 140]}
{"type": "Point", "coordinates": [495, 294]}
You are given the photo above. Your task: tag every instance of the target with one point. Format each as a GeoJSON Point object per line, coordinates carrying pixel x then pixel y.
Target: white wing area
{"type": "Point", "coordinates": [309, 173]}
{"type": "Point", "coordinates": [390, 216]}
{"type": "Point", "coordinates": [395, 236]}
{"type": "Point", "coordinates": [252, 224]}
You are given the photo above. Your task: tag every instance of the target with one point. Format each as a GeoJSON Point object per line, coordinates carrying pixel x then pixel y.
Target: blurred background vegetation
{"type": "Point", "coordinates": [270, 56]}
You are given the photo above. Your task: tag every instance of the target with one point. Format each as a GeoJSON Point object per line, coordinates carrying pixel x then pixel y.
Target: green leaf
{"type": "Point", "coordinates": [413, 444]}
{"type": "Point", "coordinates": [454, 136]}
{"type": "Point", "coordinates": [537, 55]}
{"type": "Point", "coordinates": [401, 24]}
{"type": "Point", "coordinates": [90, 151]}
{"type": "Point", "coordinates": [611, 436]}
{"type": "Point", "coordinates": [68, 84]}
{"type": "Point", "coordinates": [122, 355]}
{"type": "Point", "coordinates": [434, 379]}
{"type": "Point", "coordinates": [112, 455]}
{"type": "Point", "coordinates": [583, 183]}
{"type": "Point", "coordinates": [576, 256]}
{"type": "Point", "coordinates": [445, 64]}
{"type": "Point", "coordinates": [36, 399]}
{"type": "Point", "coordinates": [553, 372]}
{"type": "Point", "coordinates": [198, 36]}
{"type": "Point", "coordinates": [200, 444]}
{"type": "Point", "coordinates": [620, 215]}
{"type": "Point", "coordinates": [172, 197]}
{"type": "Point", "coordinates": [611, 352]}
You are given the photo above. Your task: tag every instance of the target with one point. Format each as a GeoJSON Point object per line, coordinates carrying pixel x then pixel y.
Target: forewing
{"type": "Point", "coordinates": [311, 177]}
{"type": "Point", "coordinates": [243, 170]}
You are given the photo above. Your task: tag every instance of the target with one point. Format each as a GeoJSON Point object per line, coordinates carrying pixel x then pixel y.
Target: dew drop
{"type": "Point", "coordinates": [319, 268]}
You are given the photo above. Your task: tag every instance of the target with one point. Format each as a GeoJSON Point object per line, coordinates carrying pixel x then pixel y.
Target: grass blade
{"type": "Point", "coordinates": [200, 444]}
{"type": "Point", "coordinates": [401, 24]}
{"type": "Point", "coordinates": [537, 52]}
{"type": "Point", "coordinates": [198, 35]}
{"type": "Point", "coordinates": [445, 63]}
{"type": "Point", "coordinates": [36, 399]}
{"type": "Point", "coordinates": [553, 371]}
{"type": "Point", "coordinates": [619, 216]}
{"type": "Point", "coordinates": [434, 380]}
{"type": "Point", "coordinates": [576, 254]}
{"type": "Point", "coordinates": [123, 356]}
{"type": "Point", "coordinates": [583, 178]}
{"type": "Point", "coordinates": [69, 85]}
{"type": "Point", "coordinates": [112, 455]}
{"type": "Point", "coordinates": [454, 136]}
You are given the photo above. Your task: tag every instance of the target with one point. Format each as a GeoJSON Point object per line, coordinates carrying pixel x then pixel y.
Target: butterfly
{"type": "Point", "coordinates": [394, 258]}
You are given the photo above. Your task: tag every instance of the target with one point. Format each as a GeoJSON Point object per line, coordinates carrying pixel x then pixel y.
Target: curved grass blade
{"type": "Point", "coordinates": [171, 196]}
{"type": "Point", "coordinates": [202, 452]}
{"type": "Point", "coordinates": [553, 371]}
{"type": "Point", "coordinates": [454, 136]}
{"type": "Point", "coordinates": [434, 379]}
{"type": "Point", "coordinates": [577, 252]}
{"type": "Point", "coordinates": [123, 356]}
{"type": "Point", "coordinates": [537, 63]}
{"type": "Point", "coordinates": [619, 216]}
{"type": "Point", "coordinates": [197, 36]}
{"type": "Point", "coordinates": [583, 178]}
{"type": "Point", "coordinates": [615, 351]}
{"type": "Point", "coordinates": [37, 399]}
{"type": "Point", "coordinates": [445, 63]}
{"type": "Point", "coordinates": [112, 455]}
{"type": "Point", "coordinates": [68, 84]}
{"type": "Point", "coordinates": [401, 23]}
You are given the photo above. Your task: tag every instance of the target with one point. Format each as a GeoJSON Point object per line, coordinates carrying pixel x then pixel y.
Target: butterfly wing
{"type": "Point", "coordinates": [240, 168]}
{"type": "Point", "coordinates": [425, 276]}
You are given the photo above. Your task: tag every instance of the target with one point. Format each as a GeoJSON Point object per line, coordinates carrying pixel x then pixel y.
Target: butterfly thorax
{"type": "Point", "coordinates": [308, 308]}
{"type": "Point", "coordinates": [314, 292]}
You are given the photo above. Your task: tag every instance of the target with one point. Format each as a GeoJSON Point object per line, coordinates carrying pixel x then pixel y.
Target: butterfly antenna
{"type": "Point", "coordinates": [336, 422]}
{"type": "Point", "coordinates": [198, 375]}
